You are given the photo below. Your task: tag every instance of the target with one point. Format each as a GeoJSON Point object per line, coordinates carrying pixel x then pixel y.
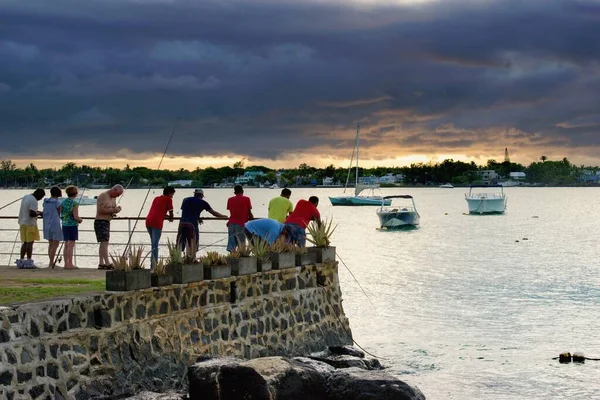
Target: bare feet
{"type": "Point", "coordinates": [72, 267]}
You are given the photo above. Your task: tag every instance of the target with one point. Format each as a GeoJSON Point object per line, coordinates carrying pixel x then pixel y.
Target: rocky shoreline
{"type": "Point", "coordinates": [338, 373]}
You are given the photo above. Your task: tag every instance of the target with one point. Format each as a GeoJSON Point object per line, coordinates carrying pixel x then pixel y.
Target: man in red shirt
{"type": "Point", "coordinates": [240, 212]}
{"type": "Point", "coordinates": [304, 212]}
{"type": "Point", "coordinates": [161, 206]}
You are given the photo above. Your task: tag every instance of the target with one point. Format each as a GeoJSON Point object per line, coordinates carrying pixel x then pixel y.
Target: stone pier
{"type": "Point", "coordinates": [114, 343]}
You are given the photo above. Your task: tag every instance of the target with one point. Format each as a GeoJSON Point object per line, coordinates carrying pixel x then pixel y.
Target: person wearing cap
{"type": "Point", "coordinates": [191, 208]}
{"type": "Point", "coordinates": [161, 209]}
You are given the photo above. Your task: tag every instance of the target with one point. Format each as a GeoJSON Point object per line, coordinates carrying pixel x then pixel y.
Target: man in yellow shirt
{"type": "Point", "coordinates": [280, 207]}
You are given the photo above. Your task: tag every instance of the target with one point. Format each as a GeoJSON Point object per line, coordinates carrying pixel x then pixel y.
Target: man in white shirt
{"type": "Point", "coordinates": [28, 215]}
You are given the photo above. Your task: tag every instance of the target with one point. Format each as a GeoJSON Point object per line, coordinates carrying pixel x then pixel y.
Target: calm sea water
{"type": "Point", "coordinates": [463, 307]}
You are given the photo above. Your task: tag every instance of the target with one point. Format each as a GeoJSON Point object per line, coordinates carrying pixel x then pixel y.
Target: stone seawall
{"type": "Point", "coordinates": [113, 343]}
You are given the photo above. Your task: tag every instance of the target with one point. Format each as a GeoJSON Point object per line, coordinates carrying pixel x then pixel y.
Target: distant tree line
{"type": "Point", "coordinates": [456, 172]}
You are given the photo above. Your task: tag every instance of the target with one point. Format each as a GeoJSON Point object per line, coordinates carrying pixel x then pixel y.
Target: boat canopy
{"type": "Point", "coordinates": [360, 188]}
{"type": "Point", "coordinates": [399, 196]}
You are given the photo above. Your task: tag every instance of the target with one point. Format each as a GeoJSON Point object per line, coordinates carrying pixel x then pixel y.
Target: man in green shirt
{"type": "Point", "coordinates": [280, 207]}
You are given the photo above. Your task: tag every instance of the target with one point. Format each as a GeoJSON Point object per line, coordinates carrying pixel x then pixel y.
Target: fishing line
{"type": "Point", "coordinates": [147, 194]}
{"type": "Point", "coordinates": [349, 333]}
{"type": "Point", "coordinates": [359, 285]}
{"type": "Point", "coordinates": [12, 202]}
{"type": "Point", "coordinates": [13, 248]}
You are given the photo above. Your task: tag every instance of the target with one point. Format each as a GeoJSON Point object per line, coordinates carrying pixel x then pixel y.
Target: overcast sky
{"type": "Point", "coordinates": [285, 82]}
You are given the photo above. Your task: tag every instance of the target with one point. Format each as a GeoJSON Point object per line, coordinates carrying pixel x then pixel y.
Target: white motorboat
{"type": "Point", "coordinates": [447, 186]}
{"type": "Point", "coordinates": [358, 199]}
{"type": "Point", "coordinates": [489, 202]}
{"type": "Point", "coordinates": [274, 186]}
{"type": "Point", "coordinates": [82, 200]}
{"type": "Point", "coordinates": [398, 216]}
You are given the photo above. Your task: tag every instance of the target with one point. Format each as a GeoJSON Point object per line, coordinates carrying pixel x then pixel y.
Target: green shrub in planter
{"type": "Point", "coordinates": [128, 273]}
{"type": "Point", "coordinates": [320, 237]}
{"type": "Point", "coordinates": [215, 265]}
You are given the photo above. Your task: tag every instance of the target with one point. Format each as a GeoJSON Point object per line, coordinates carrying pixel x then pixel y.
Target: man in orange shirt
{"type": "Point", "coordinates": [240, 212]}
{"type": "Point", "coordinates": [296, 223]}
{"type": "Point", "coordinates": [161, 206]}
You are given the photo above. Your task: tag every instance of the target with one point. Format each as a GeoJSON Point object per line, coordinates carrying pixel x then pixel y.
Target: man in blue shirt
{"type": "Point", "coordinates": [191, 207]}
{"type": "Point", "coordinates": [265, 228]}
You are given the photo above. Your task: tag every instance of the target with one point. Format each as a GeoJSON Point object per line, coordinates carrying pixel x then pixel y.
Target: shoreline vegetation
{"type": "Point", "coordinates": [460, 174]}
{"type": "Point", "coordinates": [20, 290]}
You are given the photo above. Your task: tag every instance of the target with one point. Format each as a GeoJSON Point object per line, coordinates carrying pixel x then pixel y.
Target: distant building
{"type": "Point", "coordinates": [590, 176]}
{"type": "Point", "coordinates": [248, 177]}
{"type": "Point", "coordinates": [517, 176]}
{"type": "Point", "coordinates": [368, 180]}
{"type": "Point", "coordinates": [391, 178]}
{"type": "Point", "coordinates": [181, 183]}
{"type": "Point", "coordinates": [488, 176]}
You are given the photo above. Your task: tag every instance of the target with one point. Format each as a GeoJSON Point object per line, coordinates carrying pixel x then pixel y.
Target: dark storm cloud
{"type": "Point", "coordinates": [258, 78]}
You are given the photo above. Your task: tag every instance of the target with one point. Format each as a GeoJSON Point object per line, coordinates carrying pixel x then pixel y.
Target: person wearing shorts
{"type": "Point", "coordinates": [106, 209]}
{"type": "Point", "coordinates": [69, 215]}
{"type": "Point", "coordinates": [28, 228]}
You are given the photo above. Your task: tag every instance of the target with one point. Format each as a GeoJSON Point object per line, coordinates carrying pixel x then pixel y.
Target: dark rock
{"type": "Point", "coordinates": [39, 371]}
{"type": "Point", "coordinates": [23, 376]}
{"type": "Point", "coordinates": [33, 329]}
{"type": "Point", "coordinates": [278, 378]}
{"type": "Point", "coordinates": [25, 357]}
{"type": "Point", "coordinates": [54, 350]}
{"type": "Point", "coordinates": [349, 362]}
{"type": "Point", "coordinates": [74, 321]}
{"type": "Point", "coordinates": [52, 370]}
{"type": "Point", "coordinates": [356, 383]}
{"type": "Point", "coordinates": [42, 353]}
{"type": "Point", "coordinates": [6, 378]}
{"type": "Point", "coordinates": [4, 336]}
{"type": "Point", "coordinates": [36, 391]}
{"type": "Point", "coordinates": [346, 350]}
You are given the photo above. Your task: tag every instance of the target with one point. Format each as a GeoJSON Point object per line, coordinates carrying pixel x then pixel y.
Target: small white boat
{"type": "Point", "coordinates": [447, 186]}
{"type": "Point", "coordinates": [274, 186]}
{"type": "Point", "coordinates": [82, 200]}
{"type": "Point", "coordinates": [486, 202]}
{"type": "Point", "coordinates": [398, 216]}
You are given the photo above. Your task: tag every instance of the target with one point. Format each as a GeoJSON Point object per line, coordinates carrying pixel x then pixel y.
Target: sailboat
{"type": "Point", "coordinates": [357, 199]}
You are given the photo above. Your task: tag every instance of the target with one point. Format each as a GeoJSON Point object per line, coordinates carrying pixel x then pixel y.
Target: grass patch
{"type": "Point", "coordinates": [23, 290]}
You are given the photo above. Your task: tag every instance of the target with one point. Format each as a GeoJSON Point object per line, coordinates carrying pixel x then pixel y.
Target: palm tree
{"type": "Point", "coordinates": [543, 158]}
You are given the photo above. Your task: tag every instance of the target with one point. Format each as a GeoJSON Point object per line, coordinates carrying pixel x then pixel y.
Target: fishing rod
{"type": "Point", "coordinates": [12, 202]}
{"type": "Point", "coordinates": [59, 257]}
{"type": "Point", "coordinates": [147, 194]}
{"type": "Point", "coordinates": [127, 187]}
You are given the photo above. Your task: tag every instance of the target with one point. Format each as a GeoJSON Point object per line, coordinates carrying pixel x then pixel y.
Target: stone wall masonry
{"type": "Point", "coordinates": [114, 343]}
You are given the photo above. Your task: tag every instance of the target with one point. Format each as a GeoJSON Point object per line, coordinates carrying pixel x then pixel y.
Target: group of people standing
{"type": "Point", "coordinates": [61, 220]}
{"type": "Point", "coordinates": [284, 219]}
{"type": "Point", "coordinates": [60, 223]}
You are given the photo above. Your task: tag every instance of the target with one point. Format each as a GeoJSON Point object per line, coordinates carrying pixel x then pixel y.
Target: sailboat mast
{"type": "Point", "coordinates": [357, 134]}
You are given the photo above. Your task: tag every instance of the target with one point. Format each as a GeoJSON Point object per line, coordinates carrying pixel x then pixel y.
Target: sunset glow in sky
{"type": "Point", "coordinates": [280, 83]}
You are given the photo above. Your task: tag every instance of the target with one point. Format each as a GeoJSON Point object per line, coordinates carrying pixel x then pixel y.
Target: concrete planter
{"type": "Point", "coordinates": [306, 259]}
{"type": "Point", "coordinates": [185, 273]}
{"type": "Point", "coordinates": [283, 260]}
{"type": "Point", "coordinates": [264, 266]}
{"type": "Point", "coordinates": [243, 266]}
{"type": "Point", "coordinates": [161, 280]}
{"type": "Point", "coordinates": [324, 254]}
{"type": "Point", "coordinates": [122, 281]}
{"type": "Point", "coordinates": [217, 271]}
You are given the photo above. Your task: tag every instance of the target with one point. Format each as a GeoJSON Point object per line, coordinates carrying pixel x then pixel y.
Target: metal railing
{"type": "Point", "coordinates": [86, 248]}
